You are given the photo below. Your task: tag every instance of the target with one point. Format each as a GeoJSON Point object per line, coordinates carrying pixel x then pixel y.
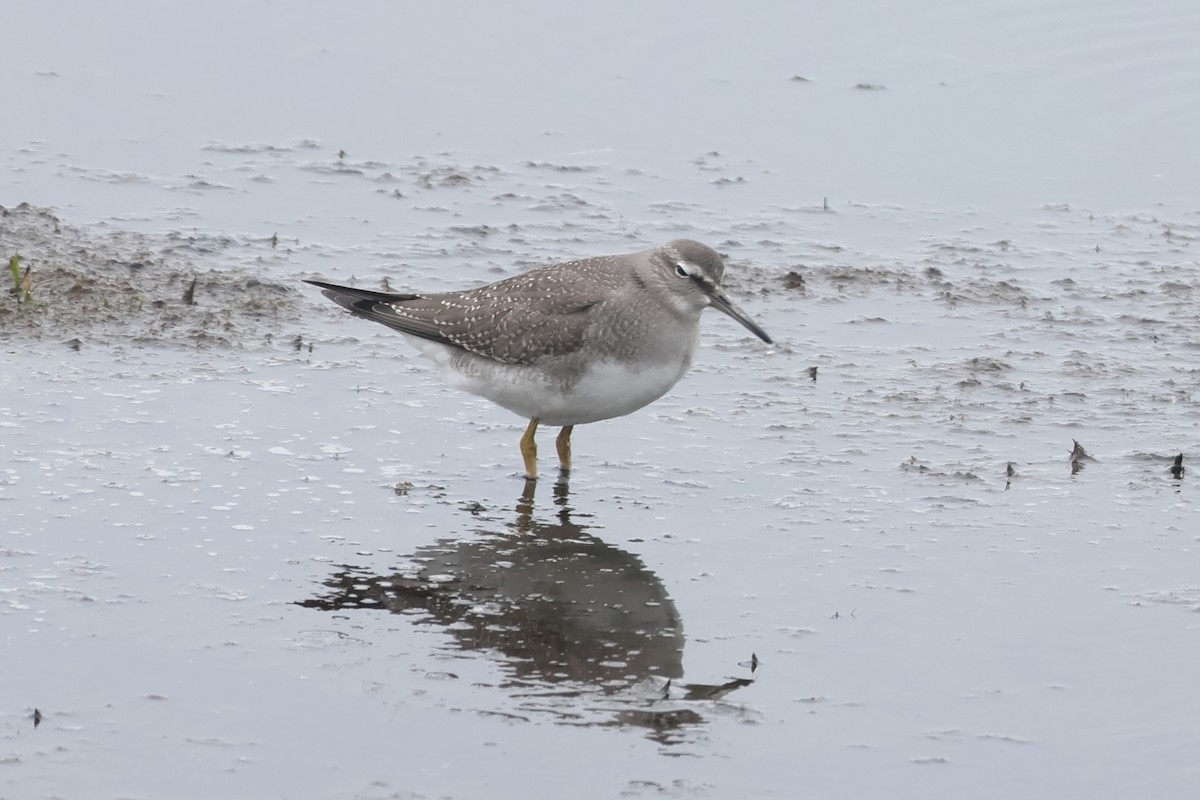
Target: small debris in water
{"type": "Point", "coordinates": [752, 663]}
{"type": "Point", "coordinates": [25, 288]}
{"type": "Point", "coordinates": [402, 488]}
{"type": "Point", "coordinates": [1177, 467]}
{"type": "Point", "coordinates": [1078, 454]}
{"type": "Point", "coordinates": [189, 296]}
{"type": "Point", "coordinates": [793, 280]}
{"type": "Point", "coordinates": [812, 373]}
{"type": "Point", "coordinates": [37, 718]}
{"type": "Point", "coordinates": [274, 240]}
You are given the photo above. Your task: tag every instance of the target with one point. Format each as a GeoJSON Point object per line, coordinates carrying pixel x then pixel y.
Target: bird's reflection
{"type": "Point", "coordinates": [569, 613]}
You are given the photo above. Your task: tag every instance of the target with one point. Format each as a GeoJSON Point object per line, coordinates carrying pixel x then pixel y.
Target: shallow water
{"type": "Point", "coordinates": [252, 547]}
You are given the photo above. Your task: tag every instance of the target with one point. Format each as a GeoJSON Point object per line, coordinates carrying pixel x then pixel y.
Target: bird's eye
{"type": "Point", "coordinates": [681, 270]}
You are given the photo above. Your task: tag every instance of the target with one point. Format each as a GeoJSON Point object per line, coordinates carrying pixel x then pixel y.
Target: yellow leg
{"type": "Point", "coordinates": [529, 450]}
{"type": "Point", "coordinates": [563, 443]}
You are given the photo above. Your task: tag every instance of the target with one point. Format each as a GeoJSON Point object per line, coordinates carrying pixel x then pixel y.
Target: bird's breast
{"type": "Point", "coordinates": [606, 389]}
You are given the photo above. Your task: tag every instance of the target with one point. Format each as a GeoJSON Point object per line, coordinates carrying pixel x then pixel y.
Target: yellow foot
{"type": "Point", "coordinates": [563, 443]}
{"type": "Point", "coordinates": [529, 450]}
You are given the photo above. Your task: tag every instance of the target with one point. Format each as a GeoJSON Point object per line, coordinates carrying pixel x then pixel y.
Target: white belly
{"type": "Point", "coordinates": [603, 391]}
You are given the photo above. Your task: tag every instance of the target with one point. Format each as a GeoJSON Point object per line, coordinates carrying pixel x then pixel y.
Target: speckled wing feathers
{"type": "Point", "coordinates": [545, 312]}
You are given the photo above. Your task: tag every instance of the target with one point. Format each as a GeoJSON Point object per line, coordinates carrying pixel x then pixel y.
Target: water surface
{"type": "Point", "coordinates": [252, 547]}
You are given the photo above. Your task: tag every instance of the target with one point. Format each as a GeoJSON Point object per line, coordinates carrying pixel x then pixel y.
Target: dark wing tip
{"type": "Point", "coordinates": [384, 308]}
{"type": "Point", "coordinates": [334, 290]}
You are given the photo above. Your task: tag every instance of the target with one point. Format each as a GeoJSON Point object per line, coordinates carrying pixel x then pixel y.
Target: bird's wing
{"type": "Point", "coordinates": [515, 321]}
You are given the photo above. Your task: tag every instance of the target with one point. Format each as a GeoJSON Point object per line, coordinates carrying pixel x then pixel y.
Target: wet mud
{"type": "Point", "coordinates": [88, 287]}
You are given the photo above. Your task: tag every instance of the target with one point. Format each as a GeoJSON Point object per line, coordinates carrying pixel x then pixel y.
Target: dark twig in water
{"type": "Point", "coordinates": [1079, 457]}
{"type": "Point", "coordinates": [25, 289]}
{"type": "Point", "coordinates": [37, 718]}
{"type": "Point", "coordinates": [752, 663]}
{"type": "Point", "coordinates": [189, 296]}
{"type": "Point", "coordinates": [1177, 467]}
